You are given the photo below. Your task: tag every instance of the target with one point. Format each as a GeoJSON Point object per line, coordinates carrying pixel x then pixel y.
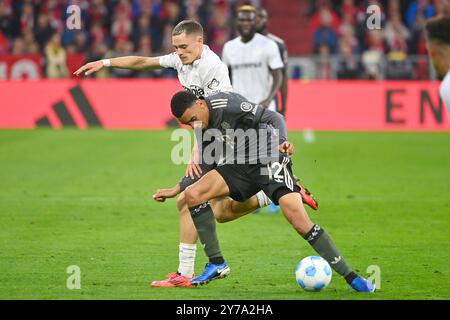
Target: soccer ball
{"type": "Point", "coordinates": [313, 273]}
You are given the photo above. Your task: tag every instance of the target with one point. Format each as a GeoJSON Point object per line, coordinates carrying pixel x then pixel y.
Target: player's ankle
{"type": "Point", "coordinates": [350, 277]}
{"type": "Point", "coordinates": [217, 260]}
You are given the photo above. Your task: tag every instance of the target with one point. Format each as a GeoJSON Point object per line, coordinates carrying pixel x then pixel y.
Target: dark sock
{"type": "Point", "coordinates": [350, 277]}
{"type": "Point", "coordinates": [217, 260]}
{"type": "Point", "coordinates": [324, 246]}
{"type": "Point", "coordinates": [205, 223]}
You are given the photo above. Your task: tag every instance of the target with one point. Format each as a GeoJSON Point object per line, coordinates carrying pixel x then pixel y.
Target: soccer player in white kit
{"type": "Point", "coordinates": [254, 62]}
{"type": "Point", "coordinates": [438, 44]}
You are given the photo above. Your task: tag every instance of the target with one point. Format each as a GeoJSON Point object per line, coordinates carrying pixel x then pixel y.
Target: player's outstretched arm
{"type": "Point", "coordinates": [162, 194]}
{"type": "Point", "coordinates": [129, 62]}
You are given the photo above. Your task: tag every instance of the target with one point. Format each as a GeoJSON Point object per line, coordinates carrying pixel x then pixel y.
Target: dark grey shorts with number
{"type": "Point", "coordinates": [245, 180]}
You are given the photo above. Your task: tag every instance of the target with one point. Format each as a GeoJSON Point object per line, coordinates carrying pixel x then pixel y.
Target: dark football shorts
{"type": "Point", "coordinates": [187, 181]}
{"type": "Point", "coordinates": [245, 180]}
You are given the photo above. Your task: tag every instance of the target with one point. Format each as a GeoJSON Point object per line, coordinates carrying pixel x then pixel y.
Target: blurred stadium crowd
{"type": "Point", "coordinates": [341, 45]}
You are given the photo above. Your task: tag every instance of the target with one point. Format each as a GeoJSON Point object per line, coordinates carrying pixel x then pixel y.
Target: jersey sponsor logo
{"type": "Point", "coordinates": [250, 65]}
{"type": "Point", "coordinates": [246, 106]}
{"type": "Point", "coordinates": [199, 92]}
{"type": "Point", "coordinates": [213, 84]}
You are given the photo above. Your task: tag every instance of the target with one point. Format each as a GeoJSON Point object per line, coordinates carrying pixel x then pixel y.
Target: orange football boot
{"type": "Point", "coordinates": [307, 197]}
{"type": "Point", "coordinates": [174, 279]}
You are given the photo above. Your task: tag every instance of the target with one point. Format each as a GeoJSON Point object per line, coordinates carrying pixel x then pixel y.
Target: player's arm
{"type": "Point", "coordinates": [276, 69]}
{"type": "Point", "coordinates": [284, 91]}
{"type": "Point", "coordinates": [193, 168]}
{"type": "Point", "coordinates": [128, 62]}
{"type": "Point", "coordinates": [276, 120]}
{"type": "Point", "coordinates": [277, 76]}
{"type": "Point", "coordinates": [162, 194]}
{"type": "Point", "coordinates": [285, 81]}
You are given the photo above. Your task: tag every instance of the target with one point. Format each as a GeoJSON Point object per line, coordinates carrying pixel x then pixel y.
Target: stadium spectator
{"type": "Point", "coordinates": [348, 65]}
{"type": "Point", "coordinates": [141, 28]}
{"type": "Point", "coordinates": [18, 47]}
{"type": "Point", "coordinates": [43, 31]}
{"type": "Point", "coordinates": [323, 65]}
{"type": "Point", "coordinates": [418, 8]}
{"type": "Point", "coordinates": [324, 11]}
{"type": "Point", "coordinates": [325, 34]}
{"type": "Point", "coordinates": [122, 26]}
{"type": "Point", "coordinates": [5, 17]}
{"type": "Point", "coordinates": [372, 58]}
{"type": "Point", "coordinates": [397, 34]}
{"type": "Point", "coordinates": [56, 58]}
{"type": "Point", "coordinates": [4, 45]}
{"type": "Point", "coordinates": [27, 17]}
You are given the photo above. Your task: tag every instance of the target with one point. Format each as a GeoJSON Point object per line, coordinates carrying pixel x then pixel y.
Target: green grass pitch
{"type": "Point", "coordinates": [83, 198]}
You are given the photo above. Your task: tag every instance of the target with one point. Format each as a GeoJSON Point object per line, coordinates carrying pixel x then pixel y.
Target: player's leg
{"type": "Point", "coordinates": [226, 209]}
{"type": "Point", "coordinates": [292, 208]}
{"type": "Point", "coordinates": [187, 250]}
{"type": "Point", "coordinates": [210, 186]}
{"type": "Point", "coordinates": [188, 242]}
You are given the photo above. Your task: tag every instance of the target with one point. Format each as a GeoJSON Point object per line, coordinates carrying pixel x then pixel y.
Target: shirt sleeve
{"type": "Point", "coordinates": [249, 115]}
{"type": "Point", "coordinates": [225, 55]}
{"type": "Point", "coordinates": [273, 56]}
{"type": "Point", "coordinates": [277, 121]}
{"type": "Point", "coordinates": [169, 61]}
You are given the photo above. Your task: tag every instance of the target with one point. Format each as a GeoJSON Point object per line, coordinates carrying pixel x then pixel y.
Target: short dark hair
{"type": "Point", "coordinates": [181, 101]}
{"type": "Point", "coordinates": [438, 29]}
{"type": "Point", "coordinates": [188, 26]}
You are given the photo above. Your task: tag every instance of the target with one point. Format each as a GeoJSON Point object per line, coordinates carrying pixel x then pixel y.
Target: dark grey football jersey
{"type": "Point", "coordinates": [246, 131]}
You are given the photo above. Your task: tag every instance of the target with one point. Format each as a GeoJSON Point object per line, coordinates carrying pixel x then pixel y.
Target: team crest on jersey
{"type": "Point", "coordinates": [213, 84]}
{"type": "Point", "coordinates": [246, 106]}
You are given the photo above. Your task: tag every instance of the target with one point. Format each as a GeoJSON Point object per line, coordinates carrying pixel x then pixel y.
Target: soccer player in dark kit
{"type": "Point", "coordinates": [228, 119]}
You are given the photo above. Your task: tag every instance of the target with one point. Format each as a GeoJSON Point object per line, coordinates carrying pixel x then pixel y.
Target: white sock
{"type": "Point", "coordinates": [263, 200]}
{"type": "Point", "coordinates": [187, 259]}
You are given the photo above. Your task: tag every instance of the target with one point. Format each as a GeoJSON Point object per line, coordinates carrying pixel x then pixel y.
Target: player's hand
{"type": "Point", "coordinates": [287, 147]}
{"type": "Point", "coordinates": [193, 169]}
{"type": "Point", "coordinates": [265, 103]}
{"type": "Point", "coordinates": [89, 68]}
{"type": "Point", "coordinates": [162, 194]}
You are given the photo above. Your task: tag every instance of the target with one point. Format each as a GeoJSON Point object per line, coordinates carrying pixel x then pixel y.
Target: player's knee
{"type": "Point", "coordinates": [193, 197]}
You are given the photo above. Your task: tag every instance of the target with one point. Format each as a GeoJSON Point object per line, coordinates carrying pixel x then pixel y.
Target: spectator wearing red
{"type": "Point", "coordinates": [324, 10]}
{"type": "Point", "coordinates": [4, 45]}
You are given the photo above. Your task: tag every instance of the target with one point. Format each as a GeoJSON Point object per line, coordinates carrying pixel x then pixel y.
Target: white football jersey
{"type": "Point", "coordinates": [250, 65]}
{"type": "Point", "coordinates": [204, 77]}
{"type": "Point", "coordinates": [444, 91]}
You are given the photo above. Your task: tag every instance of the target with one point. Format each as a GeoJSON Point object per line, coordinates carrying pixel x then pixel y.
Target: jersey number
{"type": "Point", "coordinates": [275, 173]}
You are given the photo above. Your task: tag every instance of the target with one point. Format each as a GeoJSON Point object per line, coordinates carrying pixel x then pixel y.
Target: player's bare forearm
{"type": "Point", "coordinates": [277, 76]}
{"type": "Point", "coordinates": [284, 93]}
{"type": "Point", "coordinates": [162, 194]}
{"type": "Point", "coordinates": [128, 62]}
{"type": "Point", "coordinates": [135, 63]}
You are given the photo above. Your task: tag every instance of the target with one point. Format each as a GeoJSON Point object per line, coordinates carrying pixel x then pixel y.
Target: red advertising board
{"type": "Point", "coordinates": [144, 104]}
{"type": "Point", "coordinates": [20, 67]}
